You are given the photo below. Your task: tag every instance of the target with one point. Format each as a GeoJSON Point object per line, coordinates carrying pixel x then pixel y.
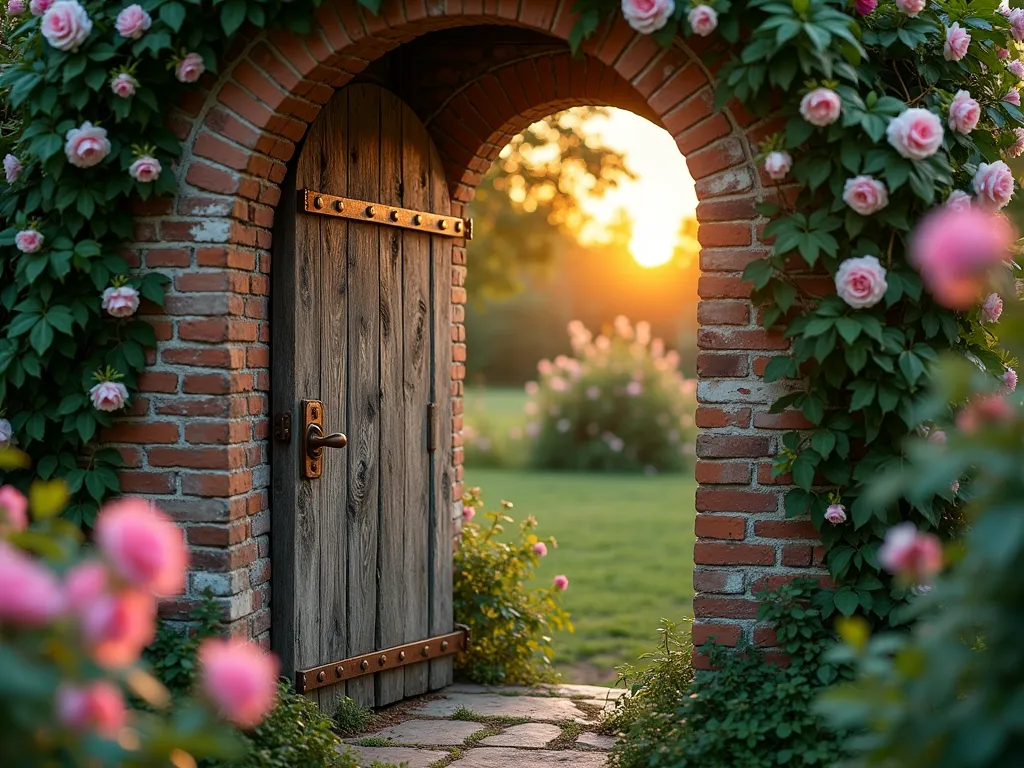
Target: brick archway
{"type": "Point", "coordinates": [197, 440]}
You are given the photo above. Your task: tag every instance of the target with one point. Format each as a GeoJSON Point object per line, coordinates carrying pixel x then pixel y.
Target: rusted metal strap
{"type": "Point", "coordinates": [312, 201]}
{"type": "Point", "coordinates": [379, 661]}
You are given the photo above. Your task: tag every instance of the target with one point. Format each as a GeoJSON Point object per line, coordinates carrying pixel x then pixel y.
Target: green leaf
{"type": "Point", "coordinates": [863, 395]}
{"type": "Point", "coordinates": [173, 15]}
{"type": "Point", "coordinates": [846, 601]}
{"type": "Point", "coordinates": [232, 16]}
{"type": "Point", "coordinates": [911, 367]}
{"type": "Point", "coordinates": [779, 368]}
{"type": "Point", "coordinates": [848, 328]}
{"type": "Point", "coordinates": [41, 337]}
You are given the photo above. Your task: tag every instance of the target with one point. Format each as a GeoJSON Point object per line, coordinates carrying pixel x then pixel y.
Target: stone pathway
{"type": "Point", "coordinates": [474, 726]}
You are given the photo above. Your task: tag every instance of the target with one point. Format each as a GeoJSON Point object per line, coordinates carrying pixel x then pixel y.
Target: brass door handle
{"type": "Point", "coordinates": [316, 441]}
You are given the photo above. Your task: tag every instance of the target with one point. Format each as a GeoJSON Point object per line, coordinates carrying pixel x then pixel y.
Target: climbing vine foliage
{"type": "Point", "coordinates": [884, 112]}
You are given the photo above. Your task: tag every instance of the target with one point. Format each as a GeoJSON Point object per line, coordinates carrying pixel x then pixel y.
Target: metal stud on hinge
{"type": "Point", "coordinates": [431, 427]}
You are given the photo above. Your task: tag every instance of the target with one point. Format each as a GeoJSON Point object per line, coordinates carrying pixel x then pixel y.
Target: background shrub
{"type": "Point", "coordinates": [172, 655]}
{"type": "Point", "coordinates": [510, 623]}
{"type": "Point", "coordinates": [617, 404]}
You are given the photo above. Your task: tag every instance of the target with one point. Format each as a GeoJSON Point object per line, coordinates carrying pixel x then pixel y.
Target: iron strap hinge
{"type": "Point", "coordinates": [431, 427]}
{"type": "Point", "coordinates": [311, 201]}
{"type": "Point", "coordinates": [380, 661]}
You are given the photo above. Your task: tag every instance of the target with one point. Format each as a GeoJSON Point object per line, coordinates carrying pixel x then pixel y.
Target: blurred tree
{"type": "Point", "coordinates": [527, 208]}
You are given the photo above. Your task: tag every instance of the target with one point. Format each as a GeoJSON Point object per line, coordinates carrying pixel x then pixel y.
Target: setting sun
{"type": "Point", "coordinates": [660, 197]}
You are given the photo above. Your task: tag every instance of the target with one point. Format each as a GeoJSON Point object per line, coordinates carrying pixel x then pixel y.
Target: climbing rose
{"type": "Point", "coordinates": [468, 513]}
{"type": "Point", "coordinates": [988, 409]}
{"type": "Point", "coordinates": [117, 627]}
{"type": "Point", "coordinates": [1010, 380]}
{"type": "Point", "coordinates": [84, 584]}
{"type": "Point", "coordinates": [190, 68]}
{"type": "Point", "coordinates": [29, 241]}
{"type": "Point", "coordinates": [937, 436]}
{"type": "Point", "coordinates": [13, 509]}
{"type": "Point", "coordinates": [86, 145]}
{"type": "Point", "coordinates": [239, 678]}
{"type": "Point", "coordinates": [647, 16]}
{"type": "Point", "coordinates": [132, 22]}
{"type": "Point", "coordinates": [703, 20]}
{"type": "Point", "coordinates": [561, 583]}
{"type": "Point", "coordinates": [540, 549]}
{"type": "Point", "coordinates": [145, 169]}
{"type": "Point", "coordinates": [1017, 68]}
{"type": "Point", "coordinates": [1012, 97]}
{"type": "Point", "coordinates": [915, 134]}
{"type": "Point", "coordinates": [911, 7]}
{"type": "Point", "coordinates": [109, 396]}
{"type": "Point", "coordinates": [964, 113]}
{"type": "Point", "coordinates": [12, 168]}
{"type": "Point", "coordinates": [836, 514]}
{"type": "Point", "coordinates": [15, 7]}
{"type": "Point", "coordinates": [861, 282]}
{"type": "Point", "coordinates": [910, 553]}
{"type": "Point", "coordinates": [97, 707]}
{"type": "Point", "coordinates": [144, 547]}
{"type": "Point", "coordinates": [6, 432]}
{"type": "Point", "coordinates": [955, 249]}
{"type": "Point", "coordinates": [29, 592]}
{"type": "Point", "coordinates": [121, 301]}
{"type": "Point", "coordinates": [1017, 148]}
{"type": "Point", "coordinates": [865, 194]}
{"type": "Point", "coordinates": [991, 308]}
{"type": "Point", "coordinates": [957, 41]}
{"type": "Point", "coordinates": [39, 7]}
{"type": "Point", "coordinates": [958, 200]}
{"type": "Point", "coordinates": [124, 85]}
{"type": "Point", "coordinates": [865, 7]}
{"type": "Point", "coordinates": [993, 185]}
{"type": "Point", "coordinates": [66, 25]}
{"type": "Point", "coordinates": [821, 107]}
{"type": "Point", "coordinates": [1016, 18]}
{"type": "Point", "coordinates": [1002, 54]}
{"type": "Point", "coordinates": [777, 165]}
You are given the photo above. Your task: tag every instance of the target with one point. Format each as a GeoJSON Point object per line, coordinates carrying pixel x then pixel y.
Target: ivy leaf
{"type": "Point", "coordinates": [232, 16]}
{"type": "Point", "coordinates": [848, 328]}
{"type": "Point", "coordinates": [173, 15]}
{"type": "Point", "coordinates": [863, 395]}
{"type": "Point", "coordinates": [804, 468]}
{"type": "Point", "coordinates": [779, 368]}
{"type": "Point", "coordinates": [41, 337]}
{"type": "Point", "coordinates": [911, 367]}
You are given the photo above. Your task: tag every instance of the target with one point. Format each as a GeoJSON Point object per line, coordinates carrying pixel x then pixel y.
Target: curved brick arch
{"type": "Point", "coordinates": [197, 439]}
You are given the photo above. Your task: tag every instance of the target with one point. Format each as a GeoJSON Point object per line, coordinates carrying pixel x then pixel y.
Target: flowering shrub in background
{"type": "Point", "coordinates": [510, 622]}
{"type": "Point", "coordinates": [618, 404]}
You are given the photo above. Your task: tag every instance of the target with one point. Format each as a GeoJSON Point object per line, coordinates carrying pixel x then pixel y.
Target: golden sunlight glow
{"type": "Point", "coordinates": [660, 197]}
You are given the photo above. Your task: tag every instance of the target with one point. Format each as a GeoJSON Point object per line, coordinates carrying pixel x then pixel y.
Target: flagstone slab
{"type": "Point", "coordinates": [503, 757]}
{"type": "Point", "coordinates": [587, 740]}
{"type": "Point", "coordinates": [493, 705]}
{"type": "Point", "coordinates": [528, 735]}
{"type": "Point", "coordinates": [589, 691]}
{"type": "Point", "coordinates": [415, 758]}
{"type": "Point", "coordinates": [434, 733]}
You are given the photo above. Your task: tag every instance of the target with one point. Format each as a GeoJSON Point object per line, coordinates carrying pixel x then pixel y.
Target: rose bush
{"type": "Point", "coordinates": [618, 404]}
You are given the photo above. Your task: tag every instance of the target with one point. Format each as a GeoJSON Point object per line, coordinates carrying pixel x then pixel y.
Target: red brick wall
{"type": "Point", "coordinates": [197, 440]}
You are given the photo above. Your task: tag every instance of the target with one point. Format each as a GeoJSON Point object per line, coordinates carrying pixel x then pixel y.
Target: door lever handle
{"type": "Point", "coordinates": [316, 441]}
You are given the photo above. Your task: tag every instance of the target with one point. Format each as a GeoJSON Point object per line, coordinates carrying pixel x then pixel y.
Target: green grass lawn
{"type": "Point", "coordinates": [624, 541]}
{"type": "Point", "coordinates": [502, 407]}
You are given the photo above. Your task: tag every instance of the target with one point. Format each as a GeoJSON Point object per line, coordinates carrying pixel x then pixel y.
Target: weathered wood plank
{"type": "Point", "coordinates": [364, 383]}
{"type": "Point", "coordinates": [391, 597]}
{"type": "Point", "coordinates": [333, 372]}
{"type": "Point", "coordinates": [442, 471]}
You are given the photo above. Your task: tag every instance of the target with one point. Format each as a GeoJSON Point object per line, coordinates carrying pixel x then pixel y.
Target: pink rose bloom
{"type": "Point", "coordinates": [964, 113]}
{"type": "Point", "coordinates": [29, 592]}
{"type": "Point", "coordinates": [836, 514]}
{"type": "Point", "coordinates": [861, 282]}
{"type": "Point", "coordinates": [39, 7]}
{"type": "Point", "coordinates": [777, 165]}
{"type": "Point", "coordinates": [1017, 148]}
{"type": "Point", "coordinates": [12, 168]}
{"type": "Point", "coordinates": [6, 433]}
{"type": "Point", "coordinates": [117, 627]}
{"type": "Point", "coordinates": [132, 22]}
{"type": "Point", "coordinates": [865, 194]}
{"type": "Point", "coordinates": [97, 707]}
{"type": "Point", "coordinates": [1004, 8]}
{"type": "Point", "coordinates": [86, 145]}
{"type": "Point", "coordinates": [540, 549]}
{"type": "Point", "coordinates": [66, 25]}
{"type": "Point", "coordinates": [865, 7]}
{"type": "Point", "coordinates": [190, 68]}
{"type": "Point", "coordinates": [916, 133]}
{"type": "Point", "coordinates": [821, 107]}
{"type": "Point", "coordinates": [124, 85]}
{"type": "Point", "coordinates": [989, 409]}
{"type": "Point", "coordinates": [1002, 53]}
{"type": "Point", "coordinates": [647, 16]}
{"type": "Point", "coordinates": [143, 545]}
{"type": "Point", "coordinates": [239, 678]}
{"type": "Point", "coordinates": [911, 7]}
{"type": "Point", "coordinates": [468, 513]}
{"type": "Point", "coordinates": [109, 396]}
{"type": "Point", "coordinates": [955, 250]}
{"type": "Point", "coordinates": [910, 553]}
{"type": "Point", "coordinates": [29, 241]}
{"type": "Point", "coordinates": [993, 185]}
{"type": "Point", "coordinates": [703, 20]}
{"type": "Point", "coordinates": [991, 308]}
{"type": "Point", "coordinates": [1012, 97]}
{"type": "Point", "coordinates": [13, 509]}
{"type": "Point", "coordinates": [1010, 380]}
{"type": "Point", "coordinates": [84, 584]}
{"type": "Point", "coordinates": [958, 200]}
{"type": "Point", "coordinates": [1017, 68]}
{"type": "Point", "coordinates": [957, 40]}
{"type": "Point", "coordinates": [937, 436]}
{"type": "Point", "coordinates": [1016, 19]}
{"type": "Point", "coordinates": [561, 583]}
{"type": "Point", "coordinates": [121, 302]}
{"type": "Point", "coordinates": [145, 169]}
{"type": "Point", "coordinates": [15, 7]}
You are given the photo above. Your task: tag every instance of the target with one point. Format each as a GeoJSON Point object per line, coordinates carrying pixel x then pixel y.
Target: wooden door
{"type": "Point", "coordinates": [360, 322]}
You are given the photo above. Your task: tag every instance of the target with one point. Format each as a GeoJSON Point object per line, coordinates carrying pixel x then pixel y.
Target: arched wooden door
{"type": "Point", "coordinates": [360, 324]}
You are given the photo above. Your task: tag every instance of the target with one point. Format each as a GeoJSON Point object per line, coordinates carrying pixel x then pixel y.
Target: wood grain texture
{"type": "Point", "coordinates": [364, 384]}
